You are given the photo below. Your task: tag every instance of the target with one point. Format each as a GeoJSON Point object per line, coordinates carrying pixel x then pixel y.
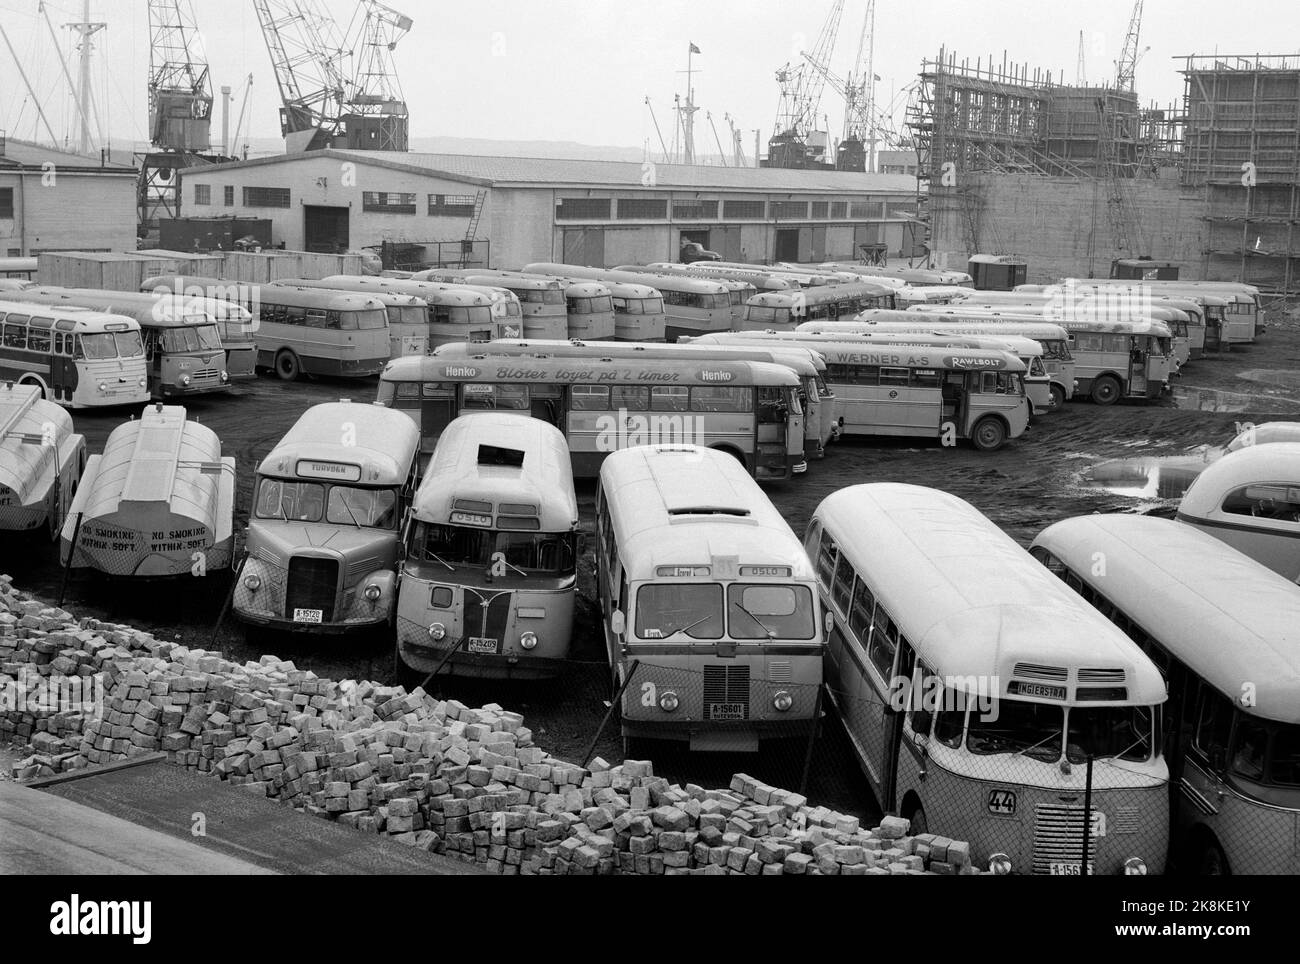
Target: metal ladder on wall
{"type": "Point", "coordinates": [471, 232]}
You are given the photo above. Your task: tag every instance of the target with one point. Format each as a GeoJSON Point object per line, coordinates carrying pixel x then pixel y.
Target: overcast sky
{"type": "Point", "coordinates": [580, 70]}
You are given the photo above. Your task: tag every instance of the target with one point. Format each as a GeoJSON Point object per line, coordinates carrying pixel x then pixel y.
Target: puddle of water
{"type": "Point", "coordinates": [1149, 477]}
{"type": "Point", "coordinates": [1288, 379]}
{"type": "Point", "coordinates": [1195, 399]}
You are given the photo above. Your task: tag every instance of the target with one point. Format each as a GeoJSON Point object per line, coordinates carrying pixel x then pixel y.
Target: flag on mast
{"type": "Point", "coordinates": [694, 49]}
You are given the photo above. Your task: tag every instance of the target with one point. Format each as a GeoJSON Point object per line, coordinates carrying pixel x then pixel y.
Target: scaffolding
{"type": "Point", "coordinates": [1242, 147]}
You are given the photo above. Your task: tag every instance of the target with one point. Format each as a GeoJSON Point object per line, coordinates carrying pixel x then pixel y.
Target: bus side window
{"type": "Point", "coordinates": [1213, 727]}
{"type": "Point", "coordinates": [295, 316]}
{"type": "Point", "coordinates": [15, 336]}
{"type": "Point", "coordinates": [825, 561]}
{"type": "Point", "coordinates": [884, 643]}
{"type": "Point", "coordinates": [893, 376]}
{"type": "Point", "coordinates": [842, 588]}
{"type": "Point", "coordinates": [860, 612]}
{"type": "Point", "coordinates": [315, 318]}
{"type": "Point", "coordinates": [670, 398]}
{"type": "Point", "coordinates": [589, 398]}
{"type": "Point", "coordinates": [810, 539]}
{"type": "Point", "coordinates": [632, 398]}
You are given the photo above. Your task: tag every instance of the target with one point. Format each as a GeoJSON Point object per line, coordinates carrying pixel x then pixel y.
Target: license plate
{"type": "Point", "coordinates": [728, 711]}
{"type": "Point", "coordinates": [308, 615]}
{"type": "Point", "coordinates": [1068, 870]}
{"type": "Point", "coordinates": [482, 644]}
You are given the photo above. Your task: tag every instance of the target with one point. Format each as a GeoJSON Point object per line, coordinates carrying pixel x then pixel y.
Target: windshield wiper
{"type": "Point", "coordinates": [506, 562]}
{"type": "Point", "coordinates": [430, 554]}
{"type": "Point", "coordinates": [689, 627]}
{"type": "Point", "coordinates": [350, 513]}
{"type": "Point", "coordinates": [1027, 750]}
{"type": "Point", "coordinates": [771, 634]}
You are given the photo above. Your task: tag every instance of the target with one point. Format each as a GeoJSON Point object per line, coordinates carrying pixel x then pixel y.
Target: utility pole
{"type": "Point", "coordinates": [86, 29]}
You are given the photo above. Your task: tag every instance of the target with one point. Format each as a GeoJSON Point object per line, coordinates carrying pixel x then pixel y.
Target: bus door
{"type": "Point", "coordinates": [1213, 328]}
{"type": "Point", "coordinates": [773, 416]}
{"type": "Point", "coordinates": [1137, 368]}
{"type": "Point", "coordinates": [547, 404]}
{"type": "Point", "coordinates": [437, 408]}
{"type": "Point", "coordinates": [954, 402]}
{"type": "Point", "coordinates": [63, 369]}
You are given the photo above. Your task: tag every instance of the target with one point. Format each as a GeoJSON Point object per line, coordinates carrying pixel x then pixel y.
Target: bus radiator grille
{"type": "Point", "coordinates": [1058, 836]}
{"type": "Point", "coordinates": [486, 613]}
{"type": "Point", "coordinates": [312, 584]}
{"type": "Point", "coordinates": [726, 686]}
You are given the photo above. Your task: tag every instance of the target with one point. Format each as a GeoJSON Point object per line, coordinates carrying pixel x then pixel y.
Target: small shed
{"type": "Point", "coordinates": [115, 270]}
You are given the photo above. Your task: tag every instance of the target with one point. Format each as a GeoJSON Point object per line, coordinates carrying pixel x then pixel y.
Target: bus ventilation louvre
{"type": "Point", "coordinates": [726, 686]}
{"type": "Point", "coordinates": [312, 584]}
{"type": "Point", "coordinates": [498, 455]}
{"type": "Point", "coordinates": [1058, 836]}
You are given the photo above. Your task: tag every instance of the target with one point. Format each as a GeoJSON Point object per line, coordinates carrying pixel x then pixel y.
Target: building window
{"type": "Point", "coordinates": [743, 209]}
{"type": "Point", "coordinates": [451, 205]}
{"type": "Point", "coordinates": [6, 202]}
{"type": "Point", "coordinates": [900, 209]}
{"type": "Point", "coordinates": [228, 195]}
{"type": "Point", "coordinates": [839, 209]}
{"type": "Point", "coordinates": [266, 197]}
{"type": "Point", "coordinates": [695, 210]}
{"type": "Point", "coordinates": [820, 209]}
{"type": "Point", "coordinates": [388, 202]}
{"type": "Point", "coordinates": [642, 209]}
{"type": "Point", "coordinates": [582, 209]}
{"type": "Point", "coordinates": [866, 209]}
{"type": "Point", "coordinates": [202, 193]}
{"type": "Point", "coordinates": [788, 210]}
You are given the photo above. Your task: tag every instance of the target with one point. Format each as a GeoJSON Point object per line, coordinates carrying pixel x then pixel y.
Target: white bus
{"type": "Point", "coordinates": [1243, 317]}
{"type": "Point", "coordinates": [77, 357]}
{"type": "Point", "coordinates": [707, 601]}
{"type": "Point", "coordinates": [323, 531]}
{"type": "Point", "coordinates": [914, 391]}
{"type": "Point", "coordinates": [1225, 634]}
{"type": "Point", "coordinates": [782, 311]}
{"type": "Point", "coordinates": [23, 269]}
{"type": "Point", "coordinates": [541, 300]}
{"type": "Point", "coordinates": [1250, 499]}
{"type": "Point", "coordinates": [41, 461]}
{"type": "Point", "coordinates": [916, 277]}
{"type": "Point", "coordinates": [492, 546]}
{"type": "Point", "coordinates": [975, 688]}
{"type": "Point", "coordinates": [453, 312]}
{"type": "Point", "coordinates": [409, 322]}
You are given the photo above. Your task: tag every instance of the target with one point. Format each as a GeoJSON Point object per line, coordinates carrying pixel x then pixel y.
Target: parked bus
{"type": "Point", "coordinates": [20, 268]}
{"type": "Point", "coordinates": [304, 331]}
{"type": "Point", "coordinates": [545, 314]}
{"type": "Point", "coordinates": [409, 317]}
{"type": "Point", "coordinates": [454, 312]}
{"type": "Point", "coordinates": [975, 688]}
{"type": "Point", "coordinates": [1113, 359]}
{"type": "Point", "coordinates": [1225, 634]}
{"type": "Point", "coordinates": [323, 532]}
{"type": "Point", "coordinates": [817, 399]}
{"type": "Point", "coordinates": [1058, 362]}
{"type": "Point", "coordinates": [707, 602]}
{"type": "Point", "coordinates": [1265, 433]}
{"type": "Point", "coordinates": [756, 279]}
{"type": "Point", "coordinates": [505, 306]}
{"type": "Point", "coordinates": [692, 305]}
{"type": "Point", "coordinates": [182, 345]}
{"type": "Point", "coordinates": [802, 277]}
{"type": "Point", "coordinates": [234, 323]}
{"type": "Point", "coordinates": [638, 312]}
{"type": "Point", "coordinates": [41, 461]}
{"type": "Point", "coordinates": [1243, 319]}
{"type": "Point", "coordinates": [1185, 316]}
{"type": "Point", "coordinates": [1250, 499]}
{"type": "Point", "coordinates": [76, 357]}
{"type": "Point", "coordinates": [750, 410]}
{"type": "Point", "coordinates": [945, 394]}
{"type": "Point", "coordinates": [1038, 384]}
{"type": "Point", "coordinates": [782, 311]}
{"type": "Point", "coordinates": [916, 277]}
{"type": "Point", "coordinates": [492, 546]}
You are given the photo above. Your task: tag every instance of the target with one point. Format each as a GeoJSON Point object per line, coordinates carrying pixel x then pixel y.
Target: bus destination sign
{"type": "Point", "coordinates": [336, 471]}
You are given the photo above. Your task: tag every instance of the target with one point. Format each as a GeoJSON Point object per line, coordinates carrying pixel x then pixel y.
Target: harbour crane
{"type": "Point", "coordinates": [1126, 66]}
{"type": "Point", "coordinates": [795, 141]}
{"type": "Point", "coordinates": [858, 140]}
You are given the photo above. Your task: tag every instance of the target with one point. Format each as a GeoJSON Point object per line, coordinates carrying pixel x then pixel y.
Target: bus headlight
{"type": "Point", "coordinates": [1000, 864]}
{"type": "Point", "coordinates": [782, 701]}
{"type": "Point", "coordinates": [372, 592]}
{"type": "Point", "coordinates": [225, 376]}
{"type": "Point", "coordinates": [528, 640]}
{"type": "Point", "coordinates": [103, 386]}
{"type": "Point", "coordinates": [437, 631]}
{"type": "Point", "coordinates": [253, 582]}
{"type": "Point", "coordinates": [1135, 867]}
{"type": "Point", "coordinates": [668, 701]}
{"type": "Point", "coordinates": [185, 380]}
{"type": "Point", "coordinates": [141, 383]}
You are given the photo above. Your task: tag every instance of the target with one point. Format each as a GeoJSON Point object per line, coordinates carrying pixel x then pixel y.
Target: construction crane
{"type": "Point", "coordinates": [858, 140]}
{"type": "Point", "coordinates": [1126, 66]}
{"type": "Point", "coordinates": [324, 104]}
{"type": "Point", "coordinates": [795, 141]}
{"type": "Point", "coordinates": [737, 151]}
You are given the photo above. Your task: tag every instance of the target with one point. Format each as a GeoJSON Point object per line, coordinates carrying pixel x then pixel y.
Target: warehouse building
{"type": "Point", "coordinates": [54, 201]}
{"type": "Point", "coordinates": [508, 211]}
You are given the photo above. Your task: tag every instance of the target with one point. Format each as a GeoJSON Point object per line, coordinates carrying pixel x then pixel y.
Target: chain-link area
{"type": "Point", "coordinates": [116, 551]}
{"type": "Point", "coordinates": [312, 592]}
{"type": "Point", "coordinates": [37, 519]}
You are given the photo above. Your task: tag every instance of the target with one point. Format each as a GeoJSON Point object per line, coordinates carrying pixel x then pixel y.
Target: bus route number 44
{"type": "Point", "coordinates": [1002, 802]}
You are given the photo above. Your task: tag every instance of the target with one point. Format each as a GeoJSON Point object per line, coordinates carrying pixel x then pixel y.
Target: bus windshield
{"type": "Point", "coordinates": [346, 505]}
{"type": "Point", "coordinates": [1015, 726]}
{"type": "Point", "coordinates": [368, 319]}
{"type": "Point", "coordinates": [544, 296]}
{"type": "Point", "coordinates": [765, 313]}
{"type": "Point", "coordinates": [190, 338]}
{"type": "Point", "coordinates": [1125, 732]}
{"type": "Point", "coordinates": [1266, 752]}
{"type": "Point", "coordinates": [758, 611]}
{"type": "Point", "coordinates": [123, 344]}
{"type": "Point", "coordinates": [407, 315]}
{"type": "Point", "coordinates": [667, 609]}
{"type": "Point", "coordinates": [550, 553]}
{"type": "Point", "coordinates": [642, 306]}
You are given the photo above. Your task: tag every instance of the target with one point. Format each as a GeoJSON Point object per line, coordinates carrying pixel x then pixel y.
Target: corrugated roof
{"type": "Point", "coordinates": [561, 172]}
{"type": "Point", "coordinates": [34, 155]}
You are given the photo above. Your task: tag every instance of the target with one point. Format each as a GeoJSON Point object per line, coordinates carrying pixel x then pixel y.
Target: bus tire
{"type": "Point", "coordinates": [1208, 858]}
{"type": "Point", "coordinates": [917, 822]}
{"type": "Point", "coordinates": [287, 366]}
{"type": "Point", "coordinates": [989, 434]}
{"type": "Point", "coordinates": [1105, 390]}
{"type": "Point", "coordinates": [736, 454]}
{"type": "Point", "coordinates": [1058, 398]}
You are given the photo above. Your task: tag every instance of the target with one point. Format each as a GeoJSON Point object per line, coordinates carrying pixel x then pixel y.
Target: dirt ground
{"type": "Point", "coordinates": [1026, 486]}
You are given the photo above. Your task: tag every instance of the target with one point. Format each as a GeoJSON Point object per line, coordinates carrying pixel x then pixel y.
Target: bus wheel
{"type": "Point", "coordinates": [917, 822]}
{"type": "Point", "coordinates": [989, 434]}
{"type": "Point", "coordinates": [1210, 860]}
{"type": "Point", "coordinates": [1058, 398]}
{"type": "Point", "coordinates": [286, 366]}
{"type": "Point", "coordinates": [1105, 390]}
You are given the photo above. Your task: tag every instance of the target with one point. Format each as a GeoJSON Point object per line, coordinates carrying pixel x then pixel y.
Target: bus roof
{"type": "Point", "coordinates": [918, 321]}
{"type": "Point", "coordinates": [1230, 619]}
{"type": "Point", "coordinates": [71, 317]}
{"type": "Point", "coordinates": [820, 294]}
{"type": "Point", "coordinates": [583, 288]}
{"type": "Point", "coordinates": [440, 293]}
{"type": "Point", "coordinates": [1265, 433]}
{"type": "Point", "coordinates": [295, 296]}
{"type": "Point", "coordinates": [617, 371]}
{"type": "Point", "coordinates": [971, 601]}
{"type": "Point", "coordinates": [802, 361]}
{"type": "Point", "coordinates": [389, 299]}
{"type": "Point", "coordinates": [27, 463]}
{"type": "Point", "coordinates": [685, 505]}
{"type": "Point", "coordinates": [380, 442]}
{"type": "Point", "coordinates": [995, 259]}
{"type": "Point", "coordinates": [459, 472]}
{"type": "Point", "coordinates": [160, 457]}
{"type": "Point", "coordinates": [750, 279]}
{"type": "Point", "coordinates": [1136, 326]}
{"type": "Point", "coordinates": [1016, 344]}
{"type": "Point", "coordinates": [673, 282]}
{"type": "Point", "coordinates": [151, 311]}
{"type": "Point", "coordinates": [1276, 464]}
{"type": "Point", "coordinates": [483, 276]}
{"type": "Point", "coordinates": [849, 351]}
